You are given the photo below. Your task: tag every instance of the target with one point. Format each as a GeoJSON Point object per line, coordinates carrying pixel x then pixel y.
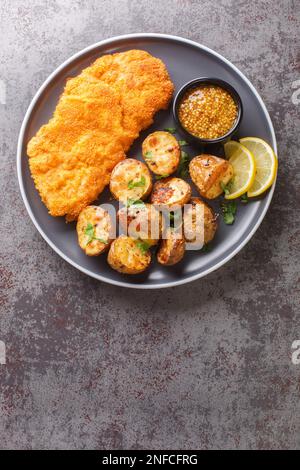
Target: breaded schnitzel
{"type": "Point", "coordinates": [99, 115]}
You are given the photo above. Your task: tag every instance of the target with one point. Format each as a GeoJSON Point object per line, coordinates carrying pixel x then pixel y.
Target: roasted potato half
{"type": "Point", "coordinates": [172, 248]}
{"type": "Point", "coordinates": [130, 179]}
{"type": "Point", "coordinates": [171, 192]}
{"type": "Point", "coordinates": [94, 230]}
{"type": "Point", "coordinates": [141, 221]}
{"type": "Point", "coordinates": [201, 224]}
{"type": "Point", "coordinates": [161, 152]}
{"type": "Point", "coordinates": [210, 173]}
{"type": "Point", "coordinates": [127, 255]}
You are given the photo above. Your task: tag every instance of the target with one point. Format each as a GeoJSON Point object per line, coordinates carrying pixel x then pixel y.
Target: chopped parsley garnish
{"type": "Point", "coordinates": [143, 246]}
{"type": "Point", "coordinates": [229, 211]}
{"type": "Point", "coordinates": [206, 248]}
{"type": "Point", "coordinates": [175, 217]}
{"type": "Point", "coordinates": [134, 202]}
{"type": "Point", "coordinates": [172, 130]}
{"type": "Point", "coordinates": [226, 187]}
{"type": "Point", "coordinates": [160, 177]}
{"type": "Point", "coordinates": [183, 143]}
{"type": "Point", "coordinates": [172, 216]}
{"type": "Point", "coordinates": [244, 199]}
{"type": "Point", "coordinates": [184, 164]}
{"type": "Point", "coordinates": [148, 155]}
{"type": "Point", "coordinates": [90, 233]}
{"type": "Point", "coordinates": [137, 184]}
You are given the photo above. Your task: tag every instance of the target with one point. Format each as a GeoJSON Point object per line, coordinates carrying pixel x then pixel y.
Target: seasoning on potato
{"type": "Point", "coordinates": [172, 248]}
{"type": "Point", "coordinates": [161, 152]}
{"type": "Point", "coordinates": [130, 179]}
{"type": "Point", "coordinates": [208, 111]}
{"type": "Point", "coordinates": [171, 192]}
{"type": "Point", "coordinates": [128, 256]}
{"type": "Point", "coordinates": [210, 174]}
{"type": "Point", "coordinates": [201, 228]}
{"type": "Point", "coordinates": [94, 230]}
{"type": "Point", "coordinates": [141, 221]}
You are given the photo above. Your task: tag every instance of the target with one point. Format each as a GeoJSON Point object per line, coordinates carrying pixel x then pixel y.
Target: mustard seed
{"type": "Point", "coordinates": [208, 111]}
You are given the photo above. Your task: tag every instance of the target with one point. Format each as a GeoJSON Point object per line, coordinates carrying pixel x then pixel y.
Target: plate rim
{"type": "Point", "coordinates": [31, 106]}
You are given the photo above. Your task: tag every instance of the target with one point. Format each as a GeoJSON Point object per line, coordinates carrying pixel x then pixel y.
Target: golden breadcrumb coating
{"type": "Point", "coordinates": [99, 115]}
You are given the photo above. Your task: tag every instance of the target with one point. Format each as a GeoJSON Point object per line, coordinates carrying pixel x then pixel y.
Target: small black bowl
{"type": "Point", "coordinates": [207, 81]}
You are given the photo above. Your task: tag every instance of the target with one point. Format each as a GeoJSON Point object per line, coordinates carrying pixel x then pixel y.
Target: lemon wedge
{"type": "Point", "coordinates": [244, 167]}
{"type": "Point", "coordinates": [266, 164]}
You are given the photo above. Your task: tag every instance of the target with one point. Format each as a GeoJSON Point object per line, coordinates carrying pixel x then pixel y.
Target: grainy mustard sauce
{"type": "Point", "coordinates": [207, 111]}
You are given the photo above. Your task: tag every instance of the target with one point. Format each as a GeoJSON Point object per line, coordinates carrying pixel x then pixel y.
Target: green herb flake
{"type": "Point", "coordinates": [172, 130]}
{"type": "Point", "coordinates": [90, 233]}
{"type": "Point", "coordinates": [183, 143]}
{"type": "Point", "coordinates": [183, 168]}
{"type": "Point", "coordinates": [143, 246]}
{"type": "Point", "coordinates": [160, 177]}
{"type": "Point", "coordinates": [135, 202]}
{"type": "Point", "coordinates": [148, 155]}
{"type": "Point", "coordinates": [137, 184]}
{"type": "Point", "coordinates": [226, 187]}
{"type": "Point", "coordinates": [101, 240]}
{"type": "Point", "coordinates": [206, 248]}
{"type": "Point", "coordinates": [174, 217]}
{"type": "Point", "coordinates": [229, 211]}
{"type": "Point", "coordinates": [244, 199]}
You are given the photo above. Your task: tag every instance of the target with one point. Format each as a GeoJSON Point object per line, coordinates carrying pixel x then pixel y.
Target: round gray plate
{"type": "Point", "coordinates": [185, 60]}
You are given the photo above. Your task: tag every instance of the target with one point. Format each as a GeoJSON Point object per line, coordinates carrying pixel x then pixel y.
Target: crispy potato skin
{"type": "Point", "coordinates": [126, 257]}
{"type": "Point", "coordinates": [141, 219]}
{"type": "Point", "coordinates": [101, 221]}
{"type": "Point", "coordinates": [99, 114]}
{"type": "Point", "coordinates": [161, 152]}
{"type": "Point", "coordinates": [126, 172]}
{"type": "Point", "coordinates": [172, 248]}
{"type": "Point", "coordinates": [171, 192]}
{"type": "Point", "coordinates": [209, 225]}
{"type": "Point", "coordinates": [208, 172]}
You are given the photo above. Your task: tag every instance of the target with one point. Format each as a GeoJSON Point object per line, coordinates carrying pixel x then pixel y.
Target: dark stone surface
{"type": "Point", "coordinates": [207, 365]}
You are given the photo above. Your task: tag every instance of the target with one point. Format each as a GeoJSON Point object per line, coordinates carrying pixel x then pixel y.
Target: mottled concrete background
{"type": "Point", "coordinates": [207, 365]}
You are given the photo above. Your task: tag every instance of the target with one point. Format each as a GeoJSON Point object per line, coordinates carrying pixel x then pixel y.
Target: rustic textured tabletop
{"type": "Point", "coordinates": [206, 365]}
